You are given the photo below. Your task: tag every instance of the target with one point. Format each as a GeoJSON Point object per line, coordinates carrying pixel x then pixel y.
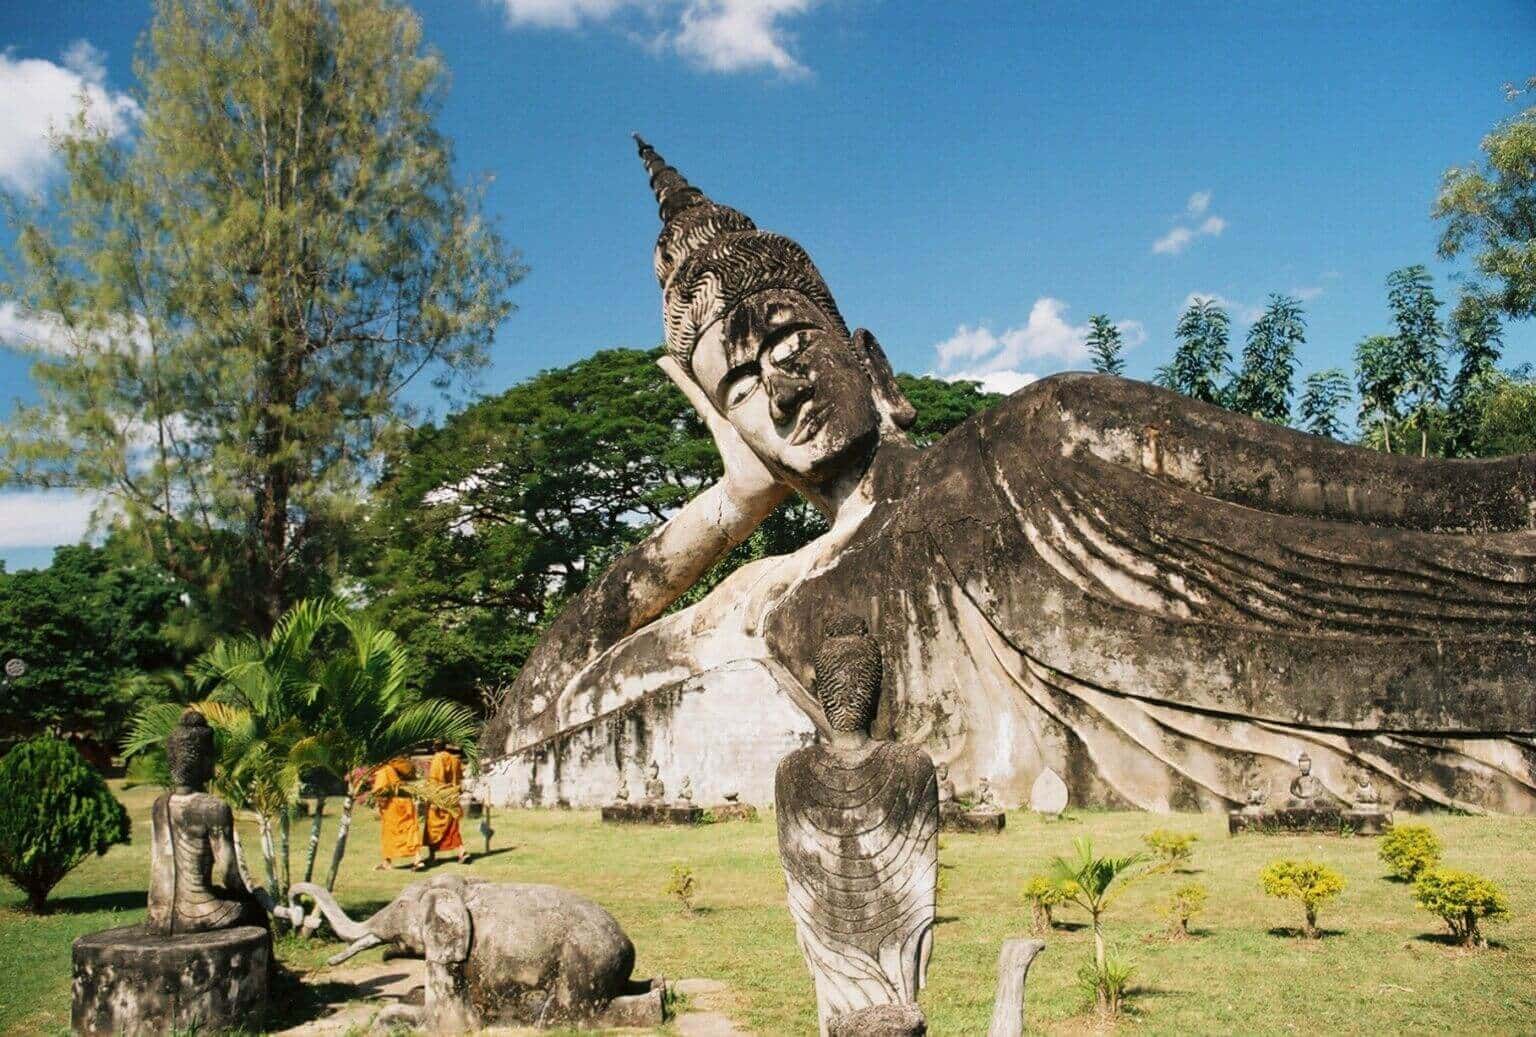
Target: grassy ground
{"type": "Point", "coordinates": [1381, 968]}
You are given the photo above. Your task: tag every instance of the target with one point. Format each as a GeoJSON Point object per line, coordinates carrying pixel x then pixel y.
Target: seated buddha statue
{"type": "Point", "coordinates": [1306, 790]}
{"type": "Point", "coordinates": [194, 877]}
{"type": "Point", "coordinates": [858, 822]}
{"type": "Point", "coordinates": [1148, 595]}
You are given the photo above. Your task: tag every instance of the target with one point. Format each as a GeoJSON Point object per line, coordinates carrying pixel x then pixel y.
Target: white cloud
{"type": "Point", "coordinates": [45, 518]}
{"type": "Point", "coordinates": [718, 35]}
{"type": "Point", "coordinates": [1000, 360]}
{"type": "Point", "coordinates": [38, 97]}
{"type": "Point", "coordinates": [30, 332]}
{"type": "Point", "coordinates": [1191, 226]}
{"type": "Point", "coordinates": [1307, 293]}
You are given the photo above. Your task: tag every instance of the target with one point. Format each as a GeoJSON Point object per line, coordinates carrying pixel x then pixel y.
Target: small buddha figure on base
{"type": "Point", "coordinates": [986, 799]}
{"type": "Point", "coordinates": [621, 794]}
{"type": "Point", "coordinates": [194, 877]}
{"type": "Point", "coordinates": [1307, 791]}
{"type": "Point", "coordinates": [655, 789]}
{"type": "Point", "coordinates": [948, 799]}
{"type": "Point", "coordinates": [685, 794]}
{"type": "Point", "coordinates": [1366, 796]}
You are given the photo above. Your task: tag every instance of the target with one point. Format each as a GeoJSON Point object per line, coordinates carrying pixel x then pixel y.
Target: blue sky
{"type": "Point", "coordinates": [973, 179]}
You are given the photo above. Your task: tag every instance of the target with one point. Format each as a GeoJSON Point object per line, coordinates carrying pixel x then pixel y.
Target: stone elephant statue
{"type": "Point", "coordinates": [502, 953]}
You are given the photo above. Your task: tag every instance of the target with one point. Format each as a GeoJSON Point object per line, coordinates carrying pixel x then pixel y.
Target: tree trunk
{"type": "Point", "coordinates": [1098, 943]}
{"type": "Point", "coordinates": [284, 819]}
{"type": "Point", "coordinates": [269, 855]}
{"type": "Point", "coordinates": [1012, 970]}
{"type": "Point", "coordinates": [342, 828]}
{"type": "Point", "coordinates": [37, 900]}
{"type": "Point", "coordinates": [314, 840]}
{"type": "Point", "coordinates": [1386, 431]}
{"type": "Point", "coordinates": [1424, 443]}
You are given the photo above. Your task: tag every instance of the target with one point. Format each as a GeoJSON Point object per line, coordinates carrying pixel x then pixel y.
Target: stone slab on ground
{"type": "Point", "coordinates": [734, 812]}
{"type": "Point", "coordinates": [986, 822]}
{"type": "Point", "coordinates": [131, 981]}
{"type": "Point", "coordinates": [1318, 820]}
{"type": "Point", "coordinates": [652, 814]}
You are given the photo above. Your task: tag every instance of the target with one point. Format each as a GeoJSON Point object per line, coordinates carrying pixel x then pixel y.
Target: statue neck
{"type": "Point", "coordinates": [878, 476]}
{"type": "Point", "coordinates": [848, 741]}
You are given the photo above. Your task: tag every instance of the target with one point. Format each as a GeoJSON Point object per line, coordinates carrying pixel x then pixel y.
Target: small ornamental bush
{"type": "Point", "coordinates": [1187, 901]}
{"type": "Point", "coordinates": [1311, 883]}
{"type": "Point", "coordinates": [1462, 899]}
{"type": "Point", "coordinates": [1042, 894]}
{"type": "Point", "coordinates": [683, 886]}
{"type": "Point", "coordinates": [1173, 849]}
{"type": "Point", "coordinates": [55, 811]}
{"type": "Point", "coordinates": [1107, 984]}
{"type": "Point", "coordinates": [1409, 850]}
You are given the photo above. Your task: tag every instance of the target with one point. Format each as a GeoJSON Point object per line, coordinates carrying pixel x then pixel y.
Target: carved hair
{"type": "Point", "coordinates": [709, 257]}
{"type": "Point", "coordinates": [848, 675]}
{"type": "Point", "coordinates": [189, 750]}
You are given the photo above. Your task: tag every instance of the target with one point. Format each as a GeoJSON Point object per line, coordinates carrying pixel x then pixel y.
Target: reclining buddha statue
{"type": "Point", "coordinates": [1154, 597]}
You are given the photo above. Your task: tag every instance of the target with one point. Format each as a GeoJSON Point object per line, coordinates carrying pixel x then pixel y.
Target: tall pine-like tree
{"type": "Point", "coordinates": [1202, 355]}
{"type": "Point", "coordinates": [1379, 379]}
{"type": "Point", "coordinates": [242, 293]}
{"type": "Point", "coordinates": [1105, 345]}
{"type": "Point", "coordinates": [1323, 395]}
{"type": "Point", "coordinates": [1263, 386]}
{"type": "Point", "coordinates": [1420, 346]}
{"type": "Point", "coordinates": [1476, 334]}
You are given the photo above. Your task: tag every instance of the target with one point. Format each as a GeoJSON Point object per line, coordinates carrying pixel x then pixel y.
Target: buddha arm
{"type": "Point", "coordinates": [226, 866]}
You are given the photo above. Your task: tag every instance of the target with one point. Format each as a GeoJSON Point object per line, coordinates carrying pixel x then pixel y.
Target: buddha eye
{"type": "Point", "coordinates": [741, 386]}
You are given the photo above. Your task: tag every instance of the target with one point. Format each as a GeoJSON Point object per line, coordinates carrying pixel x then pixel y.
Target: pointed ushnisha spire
{"type": "Point", "coordinates": [673, 192]}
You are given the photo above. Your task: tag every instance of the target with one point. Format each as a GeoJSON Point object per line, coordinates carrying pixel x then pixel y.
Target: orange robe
{"type": "Point", "coordinates": [443, 825]}
{"type": "Point", "coordinates": [399, 829]}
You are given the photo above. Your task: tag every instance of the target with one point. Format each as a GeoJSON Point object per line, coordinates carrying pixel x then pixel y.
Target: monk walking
{"type": "Point", "coordinates": [443, 825]}
{"type": "Point", "coordinates": [399, 826]}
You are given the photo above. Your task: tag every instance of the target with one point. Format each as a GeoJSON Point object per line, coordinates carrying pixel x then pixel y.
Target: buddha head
{"type": "Point", "coordinates": [750, 320]}
{"type": "Point", "coordinates": [1304, 764]}
{"type": "Point", "coordinates": [847, 678]}
{"type": "Point", "coordinates": [189, 751]}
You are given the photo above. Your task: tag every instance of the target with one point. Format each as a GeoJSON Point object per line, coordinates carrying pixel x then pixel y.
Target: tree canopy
{"type": "Point", "coordinates": [238, 295]}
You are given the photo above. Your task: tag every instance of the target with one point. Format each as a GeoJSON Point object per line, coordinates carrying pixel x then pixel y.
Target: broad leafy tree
{"type": "Point", "coordinates": [1420, 347]}
{"type": "Point", "coordinates": [1323, 396]}
{"type": "Point", "coordinates": [1105, 345]}
{"type": "Point", "coordinates": [91, 628]}
{"type": "Point", "coordinates": [1476, 334]}
{"type": "Point", "coordinates": [1490, 212]}
{"type": "Point", "coordinates": [482, 526]}
{"type": "Point", "coordinates": [1263, 386]}
{"type": "Point", "coordinates": [1201, 358]}
{"type": "Point", "coordinates": [1379, 380]}
{"type": "Point", "coordinates": [240, 294]}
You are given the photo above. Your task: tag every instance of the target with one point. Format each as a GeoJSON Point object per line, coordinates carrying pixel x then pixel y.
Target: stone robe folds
{"type": "Point", "coordinates": [195, 884]}
{"type": "Point", "coordinates": [858, 838]}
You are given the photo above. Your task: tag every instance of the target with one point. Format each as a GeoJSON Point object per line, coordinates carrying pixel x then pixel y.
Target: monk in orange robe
{"type": "Point", "coordinates": [399, 826]}
{"type": "Point", "coordinates": [443, 825]}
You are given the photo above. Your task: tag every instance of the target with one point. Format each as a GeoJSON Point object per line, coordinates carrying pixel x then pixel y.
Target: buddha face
{"type": "Point", "coordinates": [787, 378]}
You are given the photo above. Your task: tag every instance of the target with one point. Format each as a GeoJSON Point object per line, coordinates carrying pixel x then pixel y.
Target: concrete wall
{"type": "Point", "coordinates": [727, 729]}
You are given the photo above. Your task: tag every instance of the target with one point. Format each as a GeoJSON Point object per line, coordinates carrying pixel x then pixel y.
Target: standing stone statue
{"type": "Point", "coordinates": [858, 839]}
{"type": "Point", "coordinates": [194, 876]}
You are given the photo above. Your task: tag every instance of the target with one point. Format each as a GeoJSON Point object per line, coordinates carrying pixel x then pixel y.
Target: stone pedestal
{"type": "Point", "coordinates": [734, 812]}
{"type": "Point", "coordinates": [879, 1021]}
{"type": "Point", "coordinates": [128, 981]}
{"type": "Point", "coordinates": [988, 822]}
{"type": "Point", "coordinates": [653, 814]}
{"type": "Point", "coordinates": [1322, 820]}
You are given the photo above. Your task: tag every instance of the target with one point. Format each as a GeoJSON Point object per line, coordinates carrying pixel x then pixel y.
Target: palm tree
{"type": "Point", "coordinates": [1093, 883]}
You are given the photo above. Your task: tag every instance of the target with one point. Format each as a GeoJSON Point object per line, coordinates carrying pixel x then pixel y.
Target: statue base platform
{"type": "Point", "coordinates": [653, 814]}
{"type": "Point", "coordinates": [989, 822]}
{"type": "Point", "coordinates": [130, 981]}
{"type": "Point", "coordinates": [879, 1021]}
{"type": "Point", "coordinates": [734, 812]}
{"type": "Point", "coordinates": [1323, 820]}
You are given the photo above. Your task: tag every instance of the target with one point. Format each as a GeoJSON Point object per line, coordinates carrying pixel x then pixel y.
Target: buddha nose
{"type": "Point", "coordinates": [785, 394]}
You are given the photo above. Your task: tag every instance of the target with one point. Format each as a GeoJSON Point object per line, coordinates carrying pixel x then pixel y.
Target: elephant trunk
{"type": "Point", "coordinates": [343, 926]}
{"type": "Point", "coordinates": [357, 946]}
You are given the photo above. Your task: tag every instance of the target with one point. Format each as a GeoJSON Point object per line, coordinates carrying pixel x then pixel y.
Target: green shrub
{"type": "Point", "coordinates": [1310, 882]}
{"type": "Point", "coordinates": [1187, 901]}
{"type": "Point", "coordinates": [1462, 899]}
{"type": "Point", "coordinates": [1106, 984]}
{"type": "Point", "coordinates": [683, 886]}
{"type": "Point", "coordinates": [1172, 848]}
{"type": "Point", "coordinates": [1409, 850]}
{"type": "Point", "coordinates": [55, 810]}
{"type": "Point", "coordinates": [1042, 894]}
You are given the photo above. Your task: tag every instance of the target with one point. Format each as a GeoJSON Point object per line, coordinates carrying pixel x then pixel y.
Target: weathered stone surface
{"type": "Point", "coordinates": [1323, 820]}
{"type": "Point", "coordinates": [1013, 961]}
{"type": "Point", "coordinates": [858, 840]}
{"type": "Point", "coordinates": [985, 822]}
{"type": "Point", "coordinates": [1048, 795]}
{"type": "Point", "coordinates": [733, 812]}
{"type": "Point", "coordinates": [647, 813]}
{"type": "Point", "coordinates": [1149, 595]}
{"type": "Point", "coordinates": [503, 953]}
{"type": "Point", "coordinates": [131, 981]}
{"type": "Point", "coordinates": [879, 1021]}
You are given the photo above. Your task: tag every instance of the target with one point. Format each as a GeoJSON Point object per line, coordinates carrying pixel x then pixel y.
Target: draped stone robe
{"type": "Point", "coordinates": [195, 884]}
{"type": "Point", "coordinates": [858, 839]}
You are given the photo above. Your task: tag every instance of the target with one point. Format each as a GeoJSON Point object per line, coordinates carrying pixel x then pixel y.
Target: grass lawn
{"type": "Point", "coordinates": [1381, 967]}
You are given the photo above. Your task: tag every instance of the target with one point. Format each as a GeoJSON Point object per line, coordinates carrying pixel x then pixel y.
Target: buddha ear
{"type": "Point", "coordinates": [889, 398]}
